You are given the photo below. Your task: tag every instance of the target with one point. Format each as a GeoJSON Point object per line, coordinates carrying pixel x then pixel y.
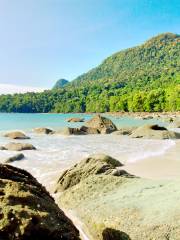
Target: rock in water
{"type": "Point", "coordinates": [102, 124]}
{"type": "Point", "coordinates": [94, 164]}
{"type": "Point", "coordinates": [175, 124]}
{"type": "Point", "coordinates": [16, 135]}
{"type": "Point", "coordinates": [17, 157]}
{"type": "Point", "coordinates": [28, 212]}
{"type": "Point", "coordinates": [154, 132]}
{"type": "Point", "coordinates": [75, 120]}
{"type": "Point", "coordinates": [19, 146]}
{"type": "Point", "coordinates": [71, 131]}
{"type": "Point", "coordinates": [124, 131]}
{"type": "Point", "coordinates": [43, 130]}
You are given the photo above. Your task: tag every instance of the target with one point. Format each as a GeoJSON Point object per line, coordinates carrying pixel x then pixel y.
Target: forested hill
{"type": "Point", "coordinates": [155, 61]}
{"type": "Point", "coordinates": [143, 78]}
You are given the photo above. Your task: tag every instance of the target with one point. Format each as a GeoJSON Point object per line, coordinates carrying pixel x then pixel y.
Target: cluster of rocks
{"type": "Point", "coordinates": [28, 212]}
{"type": "Point", "coordinates": [97, 125]}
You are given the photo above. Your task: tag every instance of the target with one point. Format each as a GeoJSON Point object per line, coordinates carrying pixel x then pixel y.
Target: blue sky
{"type": "Point", "coordinates": [43, 40]}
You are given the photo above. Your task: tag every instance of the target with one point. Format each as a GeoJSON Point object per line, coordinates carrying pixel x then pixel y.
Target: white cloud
{"type": "Point", "coordinates": [8, 88]}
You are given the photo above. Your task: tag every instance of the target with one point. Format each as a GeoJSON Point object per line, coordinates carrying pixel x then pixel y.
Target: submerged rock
{"type": "Point", "coordinates": [154, 132]}
{"type": "Point", "coordinates": [43, 130]}
{"type": "Point", "coordinates": [102, 124]}
{"type": "Point", "coordinates": [16, 135]}
{"type": "Point", "coordinates": [94, 164]}
{"type": "Point", "coordinates": [175, 124]}
{"type": "Point", "coordinates": [17, 157]}
{"type": "Point", "coordinates": [75, 119]}
{"type": "Point", "coordinates": [28, 212]}
{"type": "Point", "coordinates": [19, 146]}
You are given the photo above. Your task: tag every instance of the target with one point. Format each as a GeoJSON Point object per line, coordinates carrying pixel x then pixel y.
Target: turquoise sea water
{"type": "Point", "coordinates": [27, 121]}
{"type": "Point", "coordinates": [57, 152]}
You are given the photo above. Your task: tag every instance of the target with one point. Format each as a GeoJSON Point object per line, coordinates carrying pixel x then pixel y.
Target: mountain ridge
{"type": "Point", "coordinates": [142, 78]}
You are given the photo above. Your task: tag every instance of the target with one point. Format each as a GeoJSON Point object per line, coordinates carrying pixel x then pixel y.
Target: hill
{"type": "Point", "coordinates": [143, 78]}
{"type": "Point", "coordinates": [61, 83]}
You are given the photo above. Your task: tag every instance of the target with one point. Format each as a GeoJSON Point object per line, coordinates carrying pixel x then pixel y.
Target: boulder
{"type": "Point", "coordinates": [71, 131]}
{"type": "Point", "coordinates": [124, 131]}
{"type": "Point", "coordinates": [2, 148]}
{"type": "Point", "coordinates": [93, 165]}
{"type": "Point", "coordinates": [19, 146]}
{"type": "Point", "coordinates": [89, 130]}
{"type": "Point", "coordinates": [17, 157]}
{"type": "Point", "coordinates": [102, 124]}
{"type": "Point", "coordinates": [16, 135]}
{"type": "Point", "coordinates": [154, 132]}
{"type": "Point", "coordinates": [43, 131]}
{"type": "Point", "coordinates": [28, 212]}
{"type": "Point", "coordinates": [75, 119]}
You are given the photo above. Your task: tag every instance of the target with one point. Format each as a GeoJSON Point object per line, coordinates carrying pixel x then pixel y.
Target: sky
{"type": "Point", "coordinates": [44, 40]}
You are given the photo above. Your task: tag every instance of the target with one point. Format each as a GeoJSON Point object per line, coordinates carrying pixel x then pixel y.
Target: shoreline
{"type": "Point", "coordinates": [160, 167]}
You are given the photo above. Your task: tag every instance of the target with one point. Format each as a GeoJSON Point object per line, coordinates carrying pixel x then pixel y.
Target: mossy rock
{"type": "Point", "coordinates": [94, 164]}
{"type": "Point", "coordinates": [28, 212]}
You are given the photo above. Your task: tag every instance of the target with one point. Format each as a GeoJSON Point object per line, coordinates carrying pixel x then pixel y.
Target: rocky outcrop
{"type": "Point", "coordinates": [154, 132]}
{"type": "Point", "coordinates": [93, 165]}
{"type": "Point", "coordinates": [97, 125]}
{"type": "Point", "coordinates": [28, 212]}
{"type": "Point", "coordinates": [75, 119]}
{"type": "Point", "coordinates": [43, 131]}
{"type": "Point", "coordinates": [102, 124]}
{"type": "Point", "coordinates": [18, 147]}
{"type": "Point", "coordinates": [16, 135]}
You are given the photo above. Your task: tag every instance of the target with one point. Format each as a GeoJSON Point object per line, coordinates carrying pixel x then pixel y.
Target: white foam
{"type": "Point", "coordinates": [55, 153]}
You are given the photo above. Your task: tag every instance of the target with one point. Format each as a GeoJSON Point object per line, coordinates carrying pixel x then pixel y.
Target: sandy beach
{"type": "Point", "coordinates": [165, 166]}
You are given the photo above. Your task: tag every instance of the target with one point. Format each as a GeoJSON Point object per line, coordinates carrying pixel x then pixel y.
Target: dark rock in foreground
{"type": "Point", "coordinates": [94, 164]}
{"type": "Point", "coordinates": [28, 212]}
{"type": "Point", "coordinates": [154, 132]}
{"type": "Point", "coordinates": [18, 147]}
{"type": "Point", "coordinates": [16, 135]}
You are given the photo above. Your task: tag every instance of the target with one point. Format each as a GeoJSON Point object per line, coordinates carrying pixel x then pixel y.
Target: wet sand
{"type": "Point", "coordinates": [165, 166]}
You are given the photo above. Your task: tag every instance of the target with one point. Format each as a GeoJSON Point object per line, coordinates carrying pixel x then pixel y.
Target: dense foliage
{"type": "Point", "coordinates": [61, 83]}
{"type": "Point", "coordinates": [144, 78]}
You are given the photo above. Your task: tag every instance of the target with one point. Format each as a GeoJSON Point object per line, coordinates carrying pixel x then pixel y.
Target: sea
{"type": "Point", "coordinates": [55, 153]}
